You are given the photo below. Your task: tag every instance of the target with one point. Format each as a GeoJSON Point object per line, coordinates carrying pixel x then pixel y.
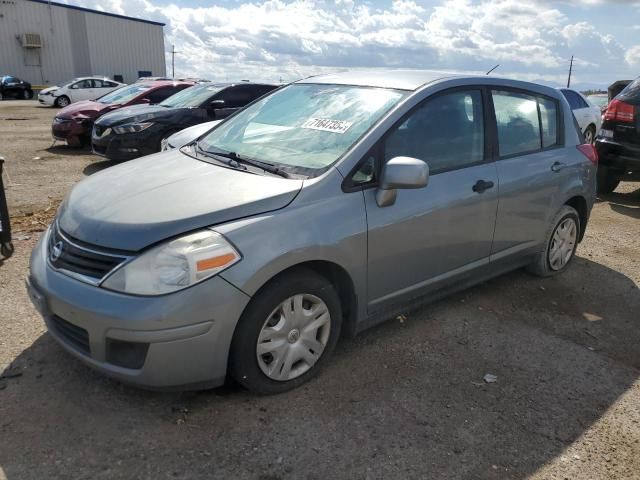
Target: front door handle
{"type": "Point", "coordinates": [482, 185]}
{"type": "Point", "coordinates": [557, 166]}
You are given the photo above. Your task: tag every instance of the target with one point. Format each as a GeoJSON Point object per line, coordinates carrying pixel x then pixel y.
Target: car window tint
{"type": "Point", "coordinates": [97, 83]}
{"type": "Point", "coordinates": [237, 97]}
{"type": "Point", "coordinates": [161, 94]}
{"type": "Point", "coordinates": [446, 132]}
{"type": "Point", "coordinates": [549, 121]}
{"type": "Point", "coordinates": [632, 90]}
{"type": "Point", "coordinates": [517, 120]}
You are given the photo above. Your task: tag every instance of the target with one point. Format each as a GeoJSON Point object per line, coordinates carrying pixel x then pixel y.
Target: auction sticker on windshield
{"type": "Point", "coordinates": [326, 125]}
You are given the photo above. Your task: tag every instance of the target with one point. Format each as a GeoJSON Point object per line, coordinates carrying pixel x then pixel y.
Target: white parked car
{"type": "Point", "coordinates": [85, 88]}
{"type": "Point", "coordinates": [587, 113]}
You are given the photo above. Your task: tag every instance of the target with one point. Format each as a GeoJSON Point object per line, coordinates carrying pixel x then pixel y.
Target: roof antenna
{"type": "Point", "coordinates": [492, 69]}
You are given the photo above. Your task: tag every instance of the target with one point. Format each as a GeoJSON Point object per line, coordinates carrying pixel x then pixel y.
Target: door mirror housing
{"type": "Point", "coordinates": [144, 101]}
{"type": "Point", "coordinates": [400, 173]}
{"type": "Point", "coordinates": [219, 103]}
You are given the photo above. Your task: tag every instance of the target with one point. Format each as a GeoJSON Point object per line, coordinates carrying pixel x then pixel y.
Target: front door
{"type": "Point", "coordinates": [433, 234]}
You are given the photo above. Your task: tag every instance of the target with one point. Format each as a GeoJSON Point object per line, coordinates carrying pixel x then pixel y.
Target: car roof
{"type": "Point", "coordinates": [398, 78]}
{"type": "Point", "coordinates": [162, 83]}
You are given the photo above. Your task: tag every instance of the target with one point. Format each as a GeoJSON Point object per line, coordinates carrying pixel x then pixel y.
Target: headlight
{"type": "Point", "coordinates": [175, 265]}
{"type": "Point", "coordinates": [165, 145]}
{"type": "Point", "coordinates": [132, 127]}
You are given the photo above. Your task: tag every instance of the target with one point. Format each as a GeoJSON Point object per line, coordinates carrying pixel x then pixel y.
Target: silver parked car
{"type": "Point", "coordinates": [317, 211]}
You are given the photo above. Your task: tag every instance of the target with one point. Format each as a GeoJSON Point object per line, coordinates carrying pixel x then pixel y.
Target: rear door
{"type": "Point", "coordinates": [81, 90]}
{"type": "Point", "coordinates": [531, 168]}
{"type": "Point", "coordinates": [433, 234]}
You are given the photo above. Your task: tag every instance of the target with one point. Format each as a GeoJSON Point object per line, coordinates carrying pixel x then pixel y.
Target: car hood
{"type": "Point", "coordinates": [137, 113]}
{"type": "Point", "coordinates": [144, 201]}
{"type": "Point", "coordinates": [87, 108]}
{"type": "Point", "coordinates": [188, 135]}
{"type": "Point", "coordinates": [49, 89]}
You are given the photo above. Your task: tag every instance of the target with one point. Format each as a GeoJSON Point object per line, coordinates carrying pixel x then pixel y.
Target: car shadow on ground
{"type": "Point", "coordinates": [624, 203]}
{"type": "Point", "coordinates": [98, 166]}
{"type": "Point", "coordinates": [68, 150]}
{"type": "Point", "coordinates": [403, 400]}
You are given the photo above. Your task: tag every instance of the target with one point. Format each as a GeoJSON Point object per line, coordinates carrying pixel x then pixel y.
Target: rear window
{"type": "Point", "coordinates": [632, 90]}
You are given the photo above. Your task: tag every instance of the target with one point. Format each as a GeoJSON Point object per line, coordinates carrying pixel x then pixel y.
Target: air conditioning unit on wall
{"type": "Point", "coordinates": [31, 40]}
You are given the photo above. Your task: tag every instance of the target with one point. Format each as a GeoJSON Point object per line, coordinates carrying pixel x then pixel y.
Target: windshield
{"type": "Point", "coordinates": [306, 126]}
{"type": "Point", "coordinates": [124, 94]}
{"type": "Point", "coordinates": [192, 96]}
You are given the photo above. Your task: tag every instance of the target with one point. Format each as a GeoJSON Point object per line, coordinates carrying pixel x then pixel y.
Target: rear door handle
{"type": "Point", "coordinates": [557, 166]}
{"type": "Point", "coordinates": [482, 185]}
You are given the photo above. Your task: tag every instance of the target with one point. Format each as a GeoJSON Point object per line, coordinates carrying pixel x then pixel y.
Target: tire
{"type": "Point", "coordinates": [590, 134]}
{"type": "Point", "coordinates": [545, 265]}
{"type": "Point", "coordinates": [1, 96]}
{"type": "Point", "coordinates": [62, 101]}
{"type": "Point", "coordinates": [256, 331]}
{"type": "Point", "coordinates": [606, 180]}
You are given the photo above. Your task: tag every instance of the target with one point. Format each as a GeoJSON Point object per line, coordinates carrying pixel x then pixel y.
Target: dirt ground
{"type": "Point", "coordinates": [404, 400]}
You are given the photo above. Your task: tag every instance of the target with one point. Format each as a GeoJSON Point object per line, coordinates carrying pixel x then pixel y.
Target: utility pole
{"type": "Point", "coordinates": [570, 70]}
{"type": "Point", "coordinates": [173, 61]}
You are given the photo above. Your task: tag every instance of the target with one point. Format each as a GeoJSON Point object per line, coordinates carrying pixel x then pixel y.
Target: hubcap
{"type": "Point", "coordinates": [588, 136]}
{"type": "Point", "coordinates": [293, 337]}
{"type": "Point", "coordinates": [563, 242]}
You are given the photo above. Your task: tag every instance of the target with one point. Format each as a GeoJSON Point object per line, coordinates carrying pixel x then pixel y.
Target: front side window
{"type": "Point", "coordinates": [306, 127]}
{"type": "Point", "coordinates": [447, 132]}
{"type": "Point", "coordinates": [193, 96]}
{"type": "Point", "coordinates": [517, 120]}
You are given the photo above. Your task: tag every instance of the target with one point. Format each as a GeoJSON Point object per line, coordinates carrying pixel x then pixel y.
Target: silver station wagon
{"type": "Point", "coordinates": [317, 211]}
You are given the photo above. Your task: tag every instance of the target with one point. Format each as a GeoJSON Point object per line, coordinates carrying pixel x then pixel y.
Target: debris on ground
{"type": "Point", "coordinates": [490, 378]}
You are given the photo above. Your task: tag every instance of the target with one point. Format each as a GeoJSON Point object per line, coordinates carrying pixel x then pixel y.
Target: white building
{"type": "Point", "coordinates": [46, 43]}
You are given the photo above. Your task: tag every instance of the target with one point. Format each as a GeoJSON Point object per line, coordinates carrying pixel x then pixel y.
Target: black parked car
{"type": "Point", "coordinates": [618, 142]}
{"type": "Point", "coordinates": [141, 129]}
{"type": "Point", "coordinates": [12, 87]}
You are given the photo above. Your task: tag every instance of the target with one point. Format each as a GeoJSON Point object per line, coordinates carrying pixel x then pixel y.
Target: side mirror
{"type": "Point", "coordinates": [144, 101]}
{"type": "Point", "coordinates": [217, 103]}
{"type": "Point", "coordinates": [400, 172]}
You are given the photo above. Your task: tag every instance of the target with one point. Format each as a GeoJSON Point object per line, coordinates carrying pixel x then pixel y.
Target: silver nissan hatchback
{"type": "Point", "coordinates": [319, 210]}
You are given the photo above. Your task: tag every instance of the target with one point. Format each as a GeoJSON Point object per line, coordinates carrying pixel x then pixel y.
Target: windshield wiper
{"type": "Point", "coordinates": [236, 161]}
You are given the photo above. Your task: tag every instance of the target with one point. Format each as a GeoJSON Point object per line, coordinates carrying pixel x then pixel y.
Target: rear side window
{"type": "Point", "coordinates": [518, 125]}
{"type": "Point", "coordinates": [161, 94]}
{"type": "Point", "coordinates": [632, 90]}
{"type": "Point", "coordinates": [548, 121]}
{"type": "Point", "coordinates": [575, 101]}
{"type": "Point", "coordinates": [446, 131]}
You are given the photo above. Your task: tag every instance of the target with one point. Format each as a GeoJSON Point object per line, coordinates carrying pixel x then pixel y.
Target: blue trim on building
{"type": "Point", "coordinates": [83, 9]}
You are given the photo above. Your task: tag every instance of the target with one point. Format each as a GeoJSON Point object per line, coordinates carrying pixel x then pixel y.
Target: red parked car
{"type": "Point", "coordinates": [74, 123]}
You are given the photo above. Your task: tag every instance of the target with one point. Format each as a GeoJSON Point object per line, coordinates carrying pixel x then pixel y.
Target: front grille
{"type": "Point", "coordinates": [76, 336]}
{"type": "Point", "coordinates": [78, 258]}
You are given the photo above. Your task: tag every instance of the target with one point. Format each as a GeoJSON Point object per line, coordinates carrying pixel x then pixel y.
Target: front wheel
{"type": "Point", "coordinates": [62, 101]}
{"type": "Point", "coordinates": [286, 334]}
{"type": "Point", "coordinates": [560, 244]}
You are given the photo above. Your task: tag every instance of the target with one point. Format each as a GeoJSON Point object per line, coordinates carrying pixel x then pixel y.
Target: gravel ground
{"type": "Point", "coordinates": [404, 400]}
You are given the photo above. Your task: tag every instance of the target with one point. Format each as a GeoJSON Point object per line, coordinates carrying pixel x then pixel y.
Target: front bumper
{"type": "Point", "coordinates": [186, 334]}
{"type": "Point", "coordinates": [70, 131]}
{"type": "Point", "coordinates": [46, 100]}
{"type": "Point", "coordinates": [623, 156]}
{"type": "Point", "coordinates": [126, 146]}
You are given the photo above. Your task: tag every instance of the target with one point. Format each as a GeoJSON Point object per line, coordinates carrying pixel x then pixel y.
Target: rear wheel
{"type": "Point", "coordinates": [607, 180]}
{"type": "Point", "coordinates": [560, 244]}
{"type": "Point", "coordinates": [286, 334]}
{"type": "Point", "coordinates": [590, 134]}
{"type": "Point", "coordinates": [62, 101]}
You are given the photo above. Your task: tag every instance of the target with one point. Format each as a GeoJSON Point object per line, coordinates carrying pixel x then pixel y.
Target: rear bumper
{"type": "Point", "coordinates": [185, 336]}
{"type": "Point", "coordinates": [125, 146]}
{"type": "Point", "coordinates": [622, 156]}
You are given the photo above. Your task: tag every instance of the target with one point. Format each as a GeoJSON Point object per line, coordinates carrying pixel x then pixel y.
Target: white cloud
{"type": "Point", "coordinates": [632, 56]}
{"type": "Point", "coordinates": [269, 39]}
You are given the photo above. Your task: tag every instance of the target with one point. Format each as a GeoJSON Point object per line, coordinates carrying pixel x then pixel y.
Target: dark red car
{"type": "Point", "coordinates": [74, 123]}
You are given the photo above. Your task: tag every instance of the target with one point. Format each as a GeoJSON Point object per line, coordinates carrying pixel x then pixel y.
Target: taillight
{"type": "Point", "coordinates": [589, 151]}
{"type": "Point", "coordinates": [619, 111]}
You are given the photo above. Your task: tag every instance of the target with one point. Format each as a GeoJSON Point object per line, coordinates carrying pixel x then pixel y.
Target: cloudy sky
{"type": "Point", "coordinates": [288, 39]}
